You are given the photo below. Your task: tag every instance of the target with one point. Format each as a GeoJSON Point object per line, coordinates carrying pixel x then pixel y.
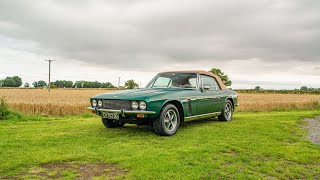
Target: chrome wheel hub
{"type": "Point", "coordinates": [170, 120]}
{"type": "Point", "coordinates": [228, 111]}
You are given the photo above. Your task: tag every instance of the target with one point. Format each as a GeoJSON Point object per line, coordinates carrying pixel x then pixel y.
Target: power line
{"type": "Point", "coordinates": [49, 60]}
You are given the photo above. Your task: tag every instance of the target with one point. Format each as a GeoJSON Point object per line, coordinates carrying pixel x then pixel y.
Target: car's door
{"type": "Point", "coordinates": [209, 95]}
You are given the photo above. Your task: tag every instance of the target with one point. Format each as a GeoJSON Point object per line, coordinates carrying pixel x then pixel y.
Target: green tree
{"type": "Point", "coordinates": [63, 84]}
{"type": "Point", "coordinates": [9, 82]}
{"type": "Point", "coordinates": [92, 84]}
{"type": "Point", "coordinates": [225, 79]}
{"type": "Point", "coordinates": [18, 81]}
{"type": "Point", "coordinates": [26, 84]}
{"type": "Point", "coordinates": [52, 85]}
{"type": "Point", "coordinates": [257, 88]}
{"type": "Point", "coordinates": [130, 84]}
{"type": "Point", "coordinates": [304, 88]}
{"type": "Point", "coordinates": [14, 81]}
{"type": "Point", "coordinates": [106, 85]}
{"type": "Point", "coordinates": [35, 84]}
{"type": "Point", "coordinates": [39, 84]}
{"type": "Point", "coordinates": [78, 84]}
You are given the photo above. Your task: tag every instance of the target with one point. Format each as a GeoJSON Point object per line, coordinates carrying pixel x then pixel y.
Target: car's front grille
{"type": "Point", "coordinates": [116, 104]}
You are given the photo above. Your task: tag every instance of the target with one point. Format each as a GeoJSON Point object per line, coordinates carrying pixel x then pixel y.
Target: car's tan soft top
{"type": "Point", "coordinates": [222, 86]}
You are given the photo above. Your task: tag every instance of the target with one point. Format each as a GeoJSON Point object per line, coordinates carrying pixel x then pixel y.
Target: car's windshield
{"type": "Point", "coordinates": [168, 80]}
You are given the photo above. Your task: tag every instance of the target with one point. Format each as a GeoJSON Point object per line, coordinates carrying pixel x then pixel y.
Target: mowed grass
{"type": "Point", "coordinates": [255, 145]}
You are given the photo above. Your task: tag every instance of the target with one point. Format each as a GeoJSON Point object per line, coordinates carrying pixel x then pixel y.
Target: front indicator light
{"type": "Point", "coordinates": [134, 105]}
{"type": "Point", "coordinates": [140, 115]}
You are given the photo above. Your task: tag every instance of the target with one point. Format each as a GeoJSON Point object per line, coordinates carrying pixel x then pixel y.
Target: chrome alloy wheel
{"type": "Point", "coordinates": [170, 120]}
{"type": "Point", "coordinates": [228, 111]}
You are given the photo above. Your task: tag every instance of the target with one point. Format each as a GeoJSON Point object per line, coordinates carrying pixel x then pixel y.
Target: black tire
{"type": "Point", "coordinates": [164, 125]}
{"type": "Point", "coordinates": [227, 111]}
{"type": "Point", "coordinates": [109, 123]}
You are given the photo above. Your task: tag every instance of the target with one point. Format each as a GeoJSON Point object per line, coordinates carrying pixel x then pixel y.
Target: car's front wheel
{"type": "Point", "coordinates": [168, 122]}
{"type": "Point", "coordinates": [109, 123]}
{"type": "Point", "coordinates": [227, 111]}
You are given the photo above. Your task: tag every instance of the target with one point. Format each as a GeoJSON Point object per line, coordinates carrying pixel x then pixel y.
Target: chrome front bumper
{"type": "Point", "coordinates": [122, 111]}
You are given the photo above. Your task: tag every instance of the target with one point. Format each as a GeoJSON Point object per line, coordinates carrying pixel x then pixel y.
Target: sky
{"type": "Point", "coordinates": [269, 43]}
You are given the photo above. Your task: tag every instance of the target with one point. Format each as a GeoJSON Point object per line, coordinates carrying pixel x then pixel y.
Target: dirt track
{"type": "Point", "coordinates": [313, 127]}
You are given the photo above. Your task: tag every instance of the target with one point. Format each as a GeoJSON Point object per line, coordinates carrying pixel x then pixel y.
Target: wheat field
{"type": "Point", "coordinates": [270, 102]}
{"type": "Point", "coordinates": [62, 102]}
{"type": "Point", "coordinates": [58, 102]}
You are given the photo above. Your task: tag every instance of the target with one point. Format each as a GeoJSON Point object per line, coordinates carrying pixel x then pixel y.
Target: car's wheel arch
{"type": "Point", "coordinates": [232, 102]}
{"type": "Point", "coordinates": [178, 105]}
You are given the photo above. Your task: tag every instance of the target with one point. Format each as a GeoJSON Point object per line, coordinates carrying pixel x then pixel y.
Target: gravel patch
{"type": "Point", "coordinates": [313, 127]}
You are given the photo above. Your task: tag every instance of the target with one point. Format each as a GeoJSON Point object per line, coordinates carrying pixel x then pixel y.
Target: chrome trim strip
{"type": "Point", "coordinates": [201, 116]}
{"type": "Point", "coordinates": [122, 111]}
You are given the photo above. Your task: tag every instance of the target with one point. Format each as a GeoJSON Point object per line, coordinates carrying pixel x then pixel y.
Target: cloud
{"type": "Point", "coordinates": [259, 36]}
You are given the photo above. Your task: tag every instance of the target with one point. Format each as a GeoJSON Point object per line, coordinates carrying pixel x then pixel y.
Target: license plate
{"type": "Point", "coordinates": [111, 116]}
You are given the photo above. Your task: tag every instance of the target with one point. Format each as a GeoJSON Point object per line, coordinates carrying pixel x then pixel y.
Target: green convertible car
{"type": "Point", "coordinates": [169, 99]}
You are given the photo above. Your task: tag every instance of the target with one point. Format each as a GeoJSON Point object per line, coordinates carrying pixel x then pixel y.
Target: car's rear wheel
{"type": "Point", "coordinates": [227, 111]}
{"type": "Point", "coordinates": [109, 123]}
{"type": "Point", "coordinates": [168, 122]}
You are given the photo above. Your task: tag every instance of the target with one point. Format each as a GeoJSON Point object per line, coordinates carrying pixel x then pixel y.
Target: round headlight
{"type": "Point", "coordinates": [94, 103]}
{"type": "Point", "coordinates": [100, 103]}
{"type": "Point", "coordinates": [142, 105]}
{"type": "Point", "coordinates": [134, 105]}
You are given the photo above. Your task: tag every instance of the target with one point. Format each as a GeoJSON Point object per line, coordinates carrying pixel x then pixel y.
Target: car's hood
{"type": "Point", "coordinates": [136, 94]}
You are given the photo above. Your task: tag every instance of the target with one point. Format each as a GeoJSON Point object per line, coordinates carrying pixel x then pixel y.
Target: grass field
{"type": "Point", "coordinates": [268, 145]}
{"type": "Point", "coordinates": [74, 102]}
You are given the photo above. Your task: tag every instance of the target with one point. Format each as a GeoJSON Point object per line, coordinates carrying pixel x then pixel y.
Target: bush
{"type": "Point", "coordinates": [5, 112]}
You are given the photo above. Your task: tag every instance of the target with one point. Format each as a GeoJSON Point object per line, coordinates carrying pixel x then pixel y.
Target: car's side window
{"type": "Point", "coordinates": [193, 82]}
{"type": "Point", "coordinates": [210, 82]}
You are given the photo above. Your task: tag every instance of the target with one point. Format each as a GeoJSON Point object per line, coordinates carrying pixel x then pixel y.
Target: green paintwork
{"type": "Point", "coordinates": [202, 102]}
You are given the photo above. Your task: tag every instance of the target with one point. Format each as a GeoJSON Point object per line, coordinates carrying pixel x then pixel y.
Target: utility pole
{"type": "Point", "coordinates": [119, 82]}
{"type": "Point", "coordinates": [49, 60]}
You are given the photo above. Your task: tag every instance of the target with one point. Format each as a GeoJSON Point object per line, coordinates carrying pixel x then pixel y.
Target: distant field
{"type": "Point", "coordinates": [73, 101]}
{"type": "Point", "coordinates": [57, 102]}
{"type": "Point", "coordinates": [270, 102]}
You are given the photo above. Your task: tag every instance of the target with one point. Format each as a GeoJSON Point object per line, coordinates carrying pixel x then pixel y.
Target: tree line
{"type": "Point", "coordinates": [70, 84]}
{"type": "Point", "coordinates": [16, 81]}
{"type": "Point", "coordinates": [302, 88]}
